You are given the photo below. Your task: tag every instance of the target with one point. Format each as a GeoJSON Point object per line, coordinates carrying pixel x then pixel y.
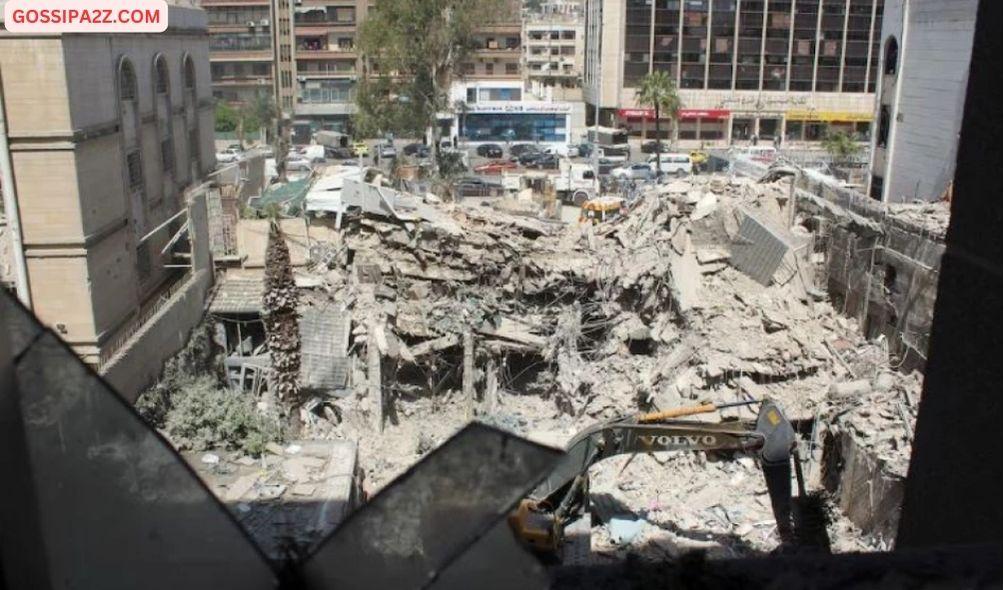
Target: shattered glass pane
{"type": "Point", "coordinates": [118, 508]}
{"type": "Point", "coordinates": [424, 521]}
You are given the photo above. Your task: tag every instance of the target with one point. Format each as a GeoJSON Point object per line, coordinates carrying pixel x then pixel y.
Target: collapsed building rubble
{"type": "Point", "coordinates": [473, 312]}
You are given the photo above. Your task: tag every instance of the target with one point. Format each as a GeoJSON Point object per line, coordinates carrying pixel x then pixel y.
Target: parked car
{"type": "Point", "coordinates": [528, 157]}
{"type": "Point", "coordinates": [338, 153]}
{"type": "Point", "coordinates": [650, 146]}
{"type": "Point", "coordinates": [543, 162]}
{"type": "Point", "coordinates": [360, 149]}
{"type": "Point", "coordinates": [634, 172]}
{"type": "Point", "coordinates": [585, 149]}
{"type": "Point", "coordinates": [495, 167]}
{"type": "Point", "coordinates": [475, 187]}
{"type": "Point", "coordinates": [563, 150]}
{"type": "Point", "coordinates": [387, 151]}
{"type": "Point", "coordinates": [411, 149]}
{"type": "Point", "coordinates": [675, 164]}
{"type": "Point", "coordinates": [489, 150]}
{"type": "Point", "coordinates": [519, 149]}
{"type": "Point", "coordinates": [229, 155]}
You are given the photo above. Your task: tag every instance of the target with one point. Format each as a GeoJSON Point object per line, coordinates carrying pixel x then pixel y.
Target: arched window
{"type": "Point", "coordinates": [162, 81]}
{"type": "Point", "coordinates": [891, 56]}
{"type": "Point", "coordinates": [189, 73]}
{"type": "Point", "coordinates": [190, 99]}
{"type": "Point", "coordinates": [127, 81]}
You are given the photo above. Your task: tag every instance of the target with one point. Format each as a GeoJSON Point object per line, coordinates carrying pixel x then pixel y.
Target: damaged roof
{"type": "Point", "coordinates": [238, 294]}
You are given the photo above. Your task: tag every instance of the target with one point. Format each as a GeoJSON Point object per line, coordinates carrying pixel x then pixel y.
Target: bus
{"type": "Point", "coordinates": [608, 137]}
{"type": "Point", "coordinates": [612, 144]}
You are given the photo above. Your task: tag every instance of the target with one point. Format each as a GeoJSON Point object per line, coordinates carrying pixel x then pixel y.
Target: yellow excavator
{"type": "Point", "coordinates": [563, 496]}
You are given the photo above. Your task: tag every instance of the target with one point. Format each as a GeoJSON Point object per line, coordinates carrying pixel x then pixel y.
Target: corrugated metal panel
{"type": "Point", "coordinates": [758, 250]}
{"type": "Point", "coordinates": [323, 337]}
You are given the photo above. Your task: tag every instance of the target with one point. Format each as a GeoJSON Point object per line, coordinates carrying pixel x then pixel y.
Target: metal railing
{"type": "Point", "coordinates": [139, 321]}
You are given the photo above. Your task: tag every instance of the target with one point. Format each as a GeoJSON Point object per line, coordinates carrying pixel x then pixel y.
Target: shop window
{"type": "Point", "coordinates": [891, 56]}
{"type": "Point", "coordinates": [793, 131]}
{"type": "Point", "coordinates": [815, 131]}
{"type": "Point", "coordinates": [742, 129]}
{"type": "Point", "coordinates": [770, 128]}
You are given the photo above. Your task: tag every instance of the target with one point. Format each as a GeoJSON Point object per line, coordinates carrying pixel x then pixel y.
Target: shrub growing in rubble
{"type": "Point", "coordinates": [196, 412]}
{"type": "Point", "coordinates": [204, 416]}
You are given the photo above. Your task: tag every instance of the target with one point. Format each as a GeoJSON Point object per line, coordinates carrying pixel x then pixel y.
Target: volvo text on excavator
{"type": "Point", "coordinates": [563, 496]}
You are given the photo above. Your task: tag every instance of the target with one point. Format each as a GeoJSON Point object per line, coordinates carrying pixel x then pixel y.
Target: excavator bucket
{"type": "Point", "coordinates": [775, 459]}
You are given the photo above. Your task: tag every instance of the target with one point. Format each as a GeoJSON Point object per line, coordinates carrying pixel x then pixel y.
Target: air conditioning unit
{"type": "Point", "coordinates": [263, 22]}
{"type": "Point", "coordinates": [301, 78]}
{"type": "Point", "coordinates": [252, 24]}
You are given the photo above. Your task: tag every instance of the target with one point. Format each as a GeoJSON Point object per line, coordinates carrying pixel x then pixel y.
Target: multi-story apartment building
{"type": "Point", "coordinates": [323, 63]}
{"type": "Point", "coordinates": [105, 135]}
{"type": "Point", "coordinates": [926, 49]}
{"type": "Point", "coordinates": [768, 69]}
{"type": "Point", "coordinates": [553, 46]}
{"type": "Point", "coordinates": [327, 63]}
{"type": "Point", "coordinates": [241, 48]}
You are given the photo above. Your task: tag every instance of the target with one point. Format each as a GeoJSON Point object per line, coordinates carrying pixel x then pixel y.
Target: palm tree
{"type": "Point", "coordinates": [658, 91]}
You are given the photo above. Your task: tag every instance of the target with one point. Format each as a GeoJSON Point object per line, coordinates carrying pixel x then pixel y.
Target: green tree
{"type": "Point", "coordinates": [226, 118]}
{"type": "Point", "coordinates": [657, 90]}
{"type": "Point", "coordinates": [415, 48]}
{"type": "Point", "coordinates": [840, 145]}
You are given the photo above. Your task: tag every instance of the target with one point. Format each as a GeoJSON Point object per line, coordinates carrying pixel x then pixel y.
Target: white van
{"type": "Point", "coordinates": [673, 164]}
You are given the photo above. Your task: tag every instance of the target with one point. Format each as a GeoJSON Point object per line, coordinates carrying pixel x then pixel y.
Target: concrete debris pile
{"type": "Point", "coordinates": [545, 328]}
{"type": "Point", "coordinates": [294, 494]}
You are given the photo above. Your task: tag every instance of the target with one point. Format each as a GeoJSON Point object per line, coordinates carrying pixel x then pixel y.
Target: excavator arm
{"type": "Point", "coordinates": [540, 519]}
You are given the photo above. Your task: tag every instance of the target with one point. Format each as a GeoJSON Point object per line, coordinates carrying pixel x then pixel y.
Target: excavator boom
{"type": "Point", "coordinates": [770, 436]}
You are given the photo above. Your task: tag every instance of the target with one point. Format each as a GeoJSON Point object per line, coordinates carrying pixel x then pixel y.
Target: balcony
{"type": "Point", "coordinates": [218, 55]}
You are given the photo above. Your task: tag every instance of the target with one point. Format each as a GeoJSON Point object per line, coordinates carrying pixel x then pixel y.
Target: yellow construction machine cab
{"type": "Point", "coordinates": [601, 209]}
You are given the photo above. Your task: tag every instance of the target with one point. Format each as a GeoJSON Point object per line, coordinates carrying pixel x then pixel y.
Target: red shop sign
{"type": "Point", "coordinates": [704, 114]}
{"type": "Point", "coordinates": [636, 114]}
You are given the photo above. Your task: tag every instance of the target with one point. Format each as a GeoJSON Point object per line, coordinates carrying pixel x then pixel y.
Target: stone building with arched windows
{"type": "Point", "coordinates": [106, 136]}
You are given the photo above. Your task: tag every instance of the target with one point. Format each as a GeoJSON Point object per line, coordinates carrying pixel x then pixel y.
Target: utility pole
{"type": "Point", "coordinates": [596, 120]}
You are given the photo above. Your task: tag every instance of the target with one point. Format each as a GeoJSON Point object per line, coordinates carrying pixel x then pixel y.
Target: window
{"type": "Point", "coordinates": [134, 168]}
{"type": "Point", "coordinates": [143, 260]}
{"type": "Point", "coordinates": [127, 81]}
{"type": "Point", "coordinates": [167, 155]}
{"type": "Point", "coordinates": [189, 73]}
{"type": "Point", "coordinates": [161, 80]}
{"type": "Point", "coordinates": [511, 68]}
{"type": "Point", "coordinates": [883, 126]}
{"type": "Point", "coordinates": [891, 56]}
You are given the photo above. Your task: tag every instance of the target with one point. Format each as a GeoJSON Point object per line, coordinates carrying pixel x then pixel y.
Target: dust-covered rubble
{"type": "Point", "coordinates": [571, 324]}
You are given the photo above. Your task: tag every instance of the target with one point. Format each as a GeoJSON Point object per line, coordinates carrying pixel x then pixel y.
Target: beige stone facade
{"type": "Point", "coordinates": [106, 134]}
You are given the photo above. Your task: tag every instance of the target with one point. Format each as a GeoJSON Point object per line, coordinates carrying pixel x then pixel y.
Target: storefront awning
{"type": "Point", "coordinates": [828, 116]}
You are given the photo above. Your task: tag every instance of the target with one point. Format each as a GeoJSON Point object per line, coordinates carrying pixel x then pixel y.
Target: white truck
{"type": "Point", "coordinates": [574, 182]}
